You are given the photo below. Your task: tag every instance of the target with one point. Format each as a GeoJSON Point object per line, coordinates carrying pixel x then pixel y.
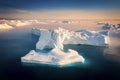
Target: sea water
{"type": "Point", "coordinates": [17, 43]}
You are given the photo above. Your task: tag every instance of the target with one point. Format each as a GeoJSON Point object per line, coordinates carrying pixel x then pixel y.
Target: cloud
{"type": "Point", "coordinates": [59, 14]}
{"type": "Point", "coordinates": [5, 26]}
{"type": "Point", "coordinates": [114, 42]}
{"type": "Point", "coordinates": [11, 24]}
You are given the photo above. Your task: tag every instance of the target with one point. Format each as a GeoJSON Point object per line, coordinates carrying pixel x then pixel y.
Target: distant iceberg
{"type": "Point", "coordinates": [106, 26]}
{"type": "Point", "coordinates": [35, 31]}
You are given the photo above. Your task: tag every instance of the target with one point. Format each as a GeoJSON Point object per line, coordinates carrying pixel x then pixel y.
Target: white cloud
{"type": "Point", "coordinates": [5, 26]}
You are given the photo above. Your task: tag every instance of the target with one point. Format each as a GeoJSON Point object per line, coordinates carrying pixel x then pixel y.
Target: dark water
{"type": "Point", "coordinates": [17, 43]}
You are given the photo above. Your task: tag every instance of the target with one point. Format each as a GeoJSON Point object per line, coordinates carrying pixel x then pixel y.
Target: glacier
{"type": "Point", "coordinates": [55, 39]}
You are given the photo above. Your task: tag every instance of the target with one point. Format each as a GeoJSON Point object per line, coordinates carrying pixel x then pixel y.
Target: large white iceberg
{"type": "Point", "coordinates": [48, 38]}
{"type": "Point", "coordinates": [52, 39]}
{"type": "Point", "coordinates": [55, 39]}
{"type": "Point", "coordinates": [54, 57]}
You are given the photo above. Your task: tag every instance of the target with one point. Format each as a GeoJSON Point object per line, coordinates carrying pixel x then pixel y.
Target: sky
{"type": "Point", "coordinates": [60, 9]}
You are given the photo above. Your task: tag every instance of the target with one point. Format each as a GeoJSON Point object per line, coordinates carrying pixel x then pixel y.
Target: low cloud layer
{"type": "Point", "coordinates": [59, 14]}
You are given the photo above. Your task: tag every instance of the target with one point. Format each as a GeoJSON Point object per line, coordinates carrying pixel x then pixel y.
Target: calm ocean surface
{"type": "Point", "coordinates": [17, 43]}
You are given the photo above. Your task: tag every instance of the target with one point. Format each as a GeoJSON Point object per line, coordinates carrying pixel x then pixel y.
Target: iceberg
{"type": "Point", "coordinates": [54, 57]}
{"type": "Point", "coordinates": [106, 26]}
{"type": "Point", "coordinates": [57, 56]}
{"type": "Point", "coordinates": [48, 38]}
{"type": "Point", "coordinates": [54, 39]}
{"type": "Point", "coordinates": [35, 31]}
